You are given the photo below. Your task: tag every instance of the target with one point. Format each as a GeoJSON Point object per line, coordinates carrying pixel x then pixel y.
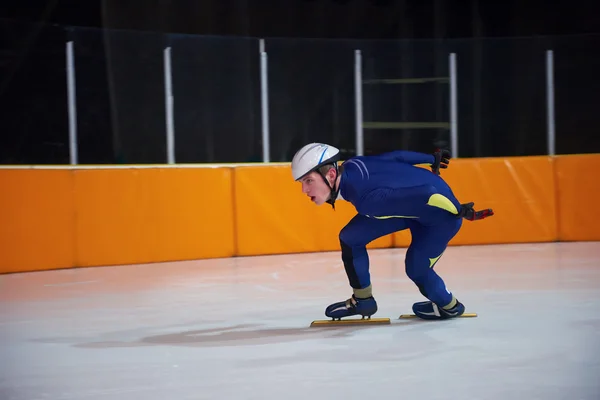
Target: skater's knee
{"type": "Point", "coordinates": [418, 271]}
{"type": "Point", "coordinates": [350, 238]}
{"type": "Point", "coordinates": [419, 264]}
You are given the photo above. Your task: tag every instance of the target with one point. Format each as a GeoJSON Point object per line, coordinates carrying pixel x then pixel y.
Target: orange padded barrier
{"type": "Point", "coordinates": [520, 190]}
{"type": "Point", "coordinates": [36, 220]}
{"type": "Point", "coordinates": [127, 216]}
{"type": "Point", "coordinates": [274, 216]}
{"type": "Point", "coordinates": [68, 217]}
{"type": "Point", "coordinates": [578, 191]}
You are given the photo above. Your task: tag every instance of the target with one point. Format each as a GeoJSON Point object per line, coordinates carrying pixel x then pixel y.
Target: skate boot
{"type": "Point", "coordinates": [353, 306]}
{"type": "Point", "coordinates": [430, 310]}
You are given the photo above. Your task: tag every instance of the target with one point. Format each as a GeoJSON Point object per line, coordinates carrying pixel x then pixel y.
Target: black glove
{"type": "Point", "coordinates": [441, 160]}
{"type": "Point", "coordinates": [467, 212]}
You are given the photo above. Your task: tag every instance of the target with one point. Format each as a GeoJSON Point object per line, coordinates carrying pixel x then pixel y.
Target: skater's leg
{"type": "Point", "coordinates": [428, 245]}
{"type": "Point", "coordinates": [354, 238]}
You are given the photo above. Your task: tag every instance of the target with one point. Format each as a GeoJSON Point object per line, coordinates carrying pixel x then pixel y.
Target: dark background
{"type": "Point", "coordinates": [500, 47]}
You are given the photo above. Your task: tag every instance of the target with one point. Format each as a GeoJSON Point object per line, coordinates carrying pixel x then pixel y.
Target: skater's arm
{"type": "Point", "coordinates": [409, 157]}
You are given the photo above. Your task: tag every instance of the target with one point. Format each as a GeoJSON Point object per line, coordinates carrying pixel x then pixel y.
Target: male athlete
{"type": "Point", "coordinates": [390, 193]}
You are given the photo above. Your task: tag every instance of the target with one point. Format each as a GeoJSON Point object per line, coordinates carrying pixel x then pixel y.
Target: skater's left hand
{"type": "Point", "coordinates": [441, 159]}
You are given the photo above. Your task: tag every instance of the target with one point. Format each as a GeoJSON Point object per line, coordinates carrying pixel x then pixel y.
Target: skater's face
{"type": "Point", "coordinates": [315, 187]}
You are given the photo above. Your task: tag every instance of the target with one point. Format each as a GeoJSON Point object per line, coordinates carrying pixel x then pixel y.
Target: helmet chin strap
{"type": "Point", "coordinates": [333, 190]}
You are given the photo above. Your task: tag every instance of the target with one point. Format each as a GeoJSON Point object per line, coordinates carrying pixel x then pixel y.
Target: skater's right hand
{"type": "Point", "coordinates": [467, 212]}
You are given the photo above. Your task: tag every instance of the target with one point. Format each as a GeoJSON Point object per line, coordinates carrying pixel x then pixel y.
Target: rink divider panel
{"type": "Point", "coordinates": [130, 216]}
{"type": "Point", "coordinates": [578, 195]}
{"type": "Point", "coordinates": [37, 226]}
{"type": "Point", "coordinates": [64, 217]}
{"type": "Point", "coordinates": [76, 216]}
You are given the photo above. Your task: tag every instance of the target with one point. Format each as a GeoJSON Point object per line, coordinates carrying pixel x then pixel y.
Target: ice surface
{"type": "Point", "coordinates": [239, 329]}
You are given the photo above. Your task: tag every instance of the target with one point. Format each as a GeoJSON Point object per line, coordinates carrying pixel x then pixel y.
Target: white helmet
{"type": "Point", "coordinates": [313, 156]}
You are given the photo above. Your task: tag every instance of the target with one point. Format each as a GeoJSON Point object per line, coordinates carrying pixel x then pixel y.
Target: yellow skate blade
{"type": "Point", "coordinates": [354, 321]}
{"type": "Point", "coordinates": [465, 315]}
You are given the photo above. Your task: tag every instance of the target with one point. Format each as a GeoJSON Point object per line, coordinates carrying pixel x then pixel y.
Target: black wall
{"type": "Point", "coordinates": [500, 46]}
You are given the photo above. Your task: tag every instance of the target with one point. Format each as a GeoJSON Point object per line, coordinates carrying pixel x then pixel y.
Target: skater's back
{"type": "Point", "coordinates": [391, 185]}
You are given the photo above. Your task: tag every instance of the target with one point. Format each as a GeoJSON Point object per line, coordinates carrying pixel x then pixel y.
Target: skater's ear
{"type": "Point", "coordinates": [326, 170]}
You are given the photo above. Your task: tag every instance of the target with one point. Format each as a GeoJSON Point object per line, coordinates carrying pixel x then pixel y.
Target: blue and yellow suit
{"type": "Point", "coordinates": [390, 194]}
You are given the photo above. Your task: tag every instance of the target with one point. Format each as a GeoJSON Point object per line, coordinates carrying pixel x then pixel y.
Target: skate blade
{"type": "Point", "coordinates": [354, 321]}
{"type": "Point", "coordinates": [465, 315]}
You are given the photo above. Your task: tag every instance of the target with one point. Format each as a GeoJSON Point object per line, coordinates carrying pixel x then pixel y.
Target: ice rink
{"type": "Point", "coordinates": [239, 329]}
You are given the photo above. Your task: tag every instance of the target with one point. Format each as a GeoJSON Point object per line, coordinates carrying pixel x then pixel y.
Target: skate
{"type": "Point", "coordinates": [353, 306]}
{"type": "Point", "coordinates": [431, 311]}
